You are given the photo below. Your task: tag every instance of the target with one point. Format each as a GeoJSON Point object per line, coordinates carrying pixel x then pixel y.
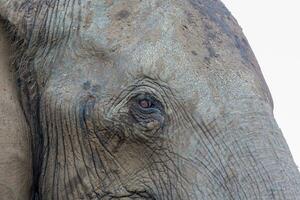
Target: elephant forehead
{"type": "Point", "coordinates": [153, 35]}
{"type": "Point", "coordinates": [174, 41]}
{"type": "Point", "coordinates": [183, 42]}
{"type": "Point", "coordinates": [154, 29]}
{"type": "Point", "coordinates": [135, 26]}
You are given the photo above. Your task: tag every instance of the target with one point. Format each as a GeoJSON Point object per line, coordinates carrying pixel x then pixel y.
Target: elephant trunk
{"type": "Point", "coordinates": [254, 160]}
{"type": "Point", "coordinates": [262, 165]}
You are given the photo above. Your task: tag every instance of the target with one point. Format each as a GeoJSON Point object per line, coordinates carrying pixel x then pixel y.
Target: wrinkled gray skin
{"type": "Point", "coordinates": [145, 99]}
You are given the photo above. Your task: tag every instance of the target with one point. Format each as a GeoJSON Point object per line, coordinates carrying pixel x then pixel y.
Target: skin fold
{"type": "Point", "coordinates": [145, 99]}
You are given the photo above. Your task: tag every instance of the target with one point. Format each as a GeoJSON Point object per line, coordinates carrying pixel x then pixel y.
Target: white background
{"type": "Point", "coordinates": [272, 28]}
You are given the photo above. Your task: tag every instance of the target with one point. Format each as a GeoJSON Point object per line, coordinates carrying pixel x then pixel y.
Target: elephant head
{"type": "Point", "coordinates": [145, 99]}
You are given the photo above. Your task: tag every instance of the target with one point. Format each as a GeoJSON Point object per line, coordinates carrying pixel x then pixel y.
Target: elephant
{"type": "Point", "coordinates": [140, 99]}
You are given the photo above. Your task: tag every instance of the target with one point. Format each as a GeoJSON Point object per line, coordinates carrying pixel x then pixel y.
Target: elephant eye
{"type": "Point", "coordinates": [145, 103]}
{"type": "Point", "coordinates": [147, 110]}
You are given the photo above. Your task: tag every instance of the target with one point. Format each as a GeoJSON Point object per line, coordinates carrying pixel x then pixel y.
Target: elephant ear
{"type": "Point", "coordinates": [17, 16]}
{"type": "Point", "coordinates": [15, 138]}
{"type": "Point", "coordinates": [36, 28]}
{"type": "Point", "coordinates": [18, 19]}
{"type": "Point", "coordinates": [25, 15]}
{"type": "Point", "coordinates": [14, 12]}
